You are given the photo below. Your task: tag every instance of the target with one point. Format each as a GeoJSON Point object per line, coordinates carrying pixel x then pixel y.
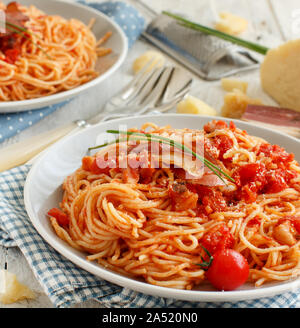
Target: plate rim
{"type": "Point", "coordinates": [41, 102]}
{"type": "Point", "coordinates": [144, 287]}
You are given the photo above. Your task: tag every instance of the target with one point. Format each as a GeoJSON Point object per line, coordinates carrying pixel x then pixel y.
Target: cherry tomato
{"type": "Point", "coordinates": [228, 271]}
{"type": "Point", "coordinates": [61, 217]}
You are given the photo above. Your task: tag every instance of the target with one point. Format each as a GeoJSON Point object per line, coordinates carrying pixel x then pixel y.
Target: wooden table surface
{"type": "Point", "coordinates": [271, 23]}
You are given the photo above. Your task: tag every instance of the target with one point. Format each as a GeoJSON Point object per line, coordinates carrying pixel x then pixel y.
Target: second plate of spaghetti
{"type": "Point", "coordinates": [141, 218]}
{"type": "Point", "coordinates": [53, 50]}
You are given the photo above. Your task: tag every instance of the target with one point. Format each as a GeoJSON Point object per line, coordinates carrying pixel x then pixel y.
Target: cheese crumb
{"type": "Point", "coordinates": [280, 74]}
{"type": "Point", "coordinates": [235, 103]}
{"type": "Point", "coordinates": [11, 290]}
{"type": "Point", "coordinates": [143, 257]}
{"type": "Point", "coordinates": [158, 60]}
{"type": "Point", "coordinates": [231, 24]}
{"type": "Point", "coordinates": [193, 105]}
{"type": "Point", "coordinates": [231, 84]}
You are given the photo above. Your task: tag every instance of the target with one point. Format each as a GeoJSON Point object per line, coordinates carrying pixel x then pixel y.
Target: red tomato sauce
{"type": "Point", "coordinates": [251, 179]}
{"type": "Point", "coordinates": [254, 178]}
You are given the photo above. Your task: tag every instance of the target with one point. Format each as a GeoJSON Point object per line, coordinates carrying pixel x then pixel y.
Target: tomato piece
{"type": "Point", "coordinates": [228, 271]}
{"type": "Point", "coordinates": [211, 199]}
{"type": "Point", "coordinates": [254, 178]}
{"type": "Point", "coordinates": [179, 173]}
{"type": "Point", "coordinates": [11, 55]}
{"type": "Point", "coordinates": [61, 217]}
{"type": "Point", "coordinates": [251, 179]}
{"type": "Point", "coordinates": [223, 143]}
{"type": "Point", "coordinates": [86, 163]}
{"type": "Point", "coordinates": [181, 197]}
{"type": "Point", "coordinates": [296, 223]}
{"type": "Point", "coordinates": [102, 165]}
{"type": "Point", "coordinates": [215, 125]}
{"type": "Point", "coordinates": [218, 239]}
{"type": "Point", "coordinates": [94, 168]}
{"type": "Point", "coordinates": [97, 165]}
{"type": "Point", "coordinates": [254, 172]}
{"type": "Point", "coordinates": [276, 181]}
{"type": "Point", "coordinates": [254, 222]}
{"type": "Point", "coordinates": [276, 153]}
{"type": "Point", "coordinates": [249, 192]}
{"type": "Point", "coordinates": [232, 126]}
{"type": "Point", "coordinates": [146, 174]}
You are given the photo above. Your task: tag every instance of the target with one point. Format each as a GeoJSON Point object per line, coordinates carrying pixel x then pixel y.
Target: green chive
{"type": "Point", "coordinates": [207, 30]}
{"type": "Point", "coordinates": [178, 145]}
{"type": "Point", "coordinates": [149, 137]}
{"type": "Point", "coordinates": [23, 29]}
{"type": "Point", "coordinates": [18, 29]}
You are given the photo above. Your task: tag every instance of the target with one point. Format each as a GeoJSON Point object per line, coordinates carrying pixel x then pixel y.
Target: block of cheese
{"type": "Point", "coordinates": [231, 84]}
{"type": "Point", "coordinates": [155, 57]}
{"type": "Point", "coordinates": [193, 105]}
{"type": "Point", "coordinates": [235, 103]}
{"type": "Point", "coordinates": [280, 74]}
{"type": "Point", "coordinates": [11, 290]}
{"type": "Point", "coordinates": [231, 24]}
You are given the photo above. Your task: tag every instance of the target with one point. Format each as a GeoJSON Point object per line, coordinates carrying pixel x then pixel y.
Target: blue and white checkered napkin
{"type": "Point", "coordinates": [65, 283]}
{"type": "Point", "coordinates": [131, 22]}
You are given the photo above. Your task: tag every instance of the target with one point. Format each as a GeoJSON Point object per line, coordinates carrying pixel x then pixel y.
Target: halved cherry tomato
{"type": "Point", "coordinates": [229, 270]}
{"type": "Point", "coordinates": [61, 217]}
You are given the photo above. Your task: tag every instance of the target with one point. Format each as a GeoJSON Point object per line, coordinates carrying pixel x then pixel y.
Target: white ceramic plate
{"type": "Point", "coordinates": [106, 65]}
{"type": "Point", "coordinates": [43, 191]}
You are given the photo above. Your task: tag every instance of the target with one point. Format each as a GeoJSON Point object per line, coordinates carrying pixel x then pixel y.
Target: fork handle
{"type": "Point", "coordinates": [20, 152]}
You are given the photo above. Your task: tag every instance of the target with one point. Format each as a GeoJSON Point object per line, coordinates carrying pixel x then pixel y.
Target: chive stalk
{"type": "Point", "coordinates": [152, 137]}
{"type": "Point", "coordinates": [227, 37]}
{"type": "Point", "coordinates": [23, 31]}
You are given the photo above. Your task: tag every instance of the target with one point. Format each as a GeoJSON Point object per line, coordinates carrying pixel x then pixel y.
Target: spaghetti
{"type": "Point", "coordinates": [55, 55]}
{"type": "Point", "coordinates": [154, 223]}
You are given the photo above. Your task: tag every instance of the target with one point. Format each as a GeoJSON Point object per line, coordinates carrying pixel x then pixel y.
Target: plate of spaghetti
{"type": "Point", "coordinates": [177, 206]}
{"type": "Point", "coordinates": [50, 51]}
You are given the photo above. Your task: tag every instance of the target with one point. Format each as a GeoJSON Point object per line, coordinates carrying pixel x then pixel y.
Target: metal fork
{"type": "Point", "coordinates": [159, 91]}
{"type": "Point", "coordinates": [156, 90]}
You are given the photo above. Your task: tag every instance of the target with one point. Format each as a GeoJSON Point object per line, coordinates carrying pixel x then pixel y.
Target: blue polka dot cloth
{"type": "Point", "coordinates": [131, 22]}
